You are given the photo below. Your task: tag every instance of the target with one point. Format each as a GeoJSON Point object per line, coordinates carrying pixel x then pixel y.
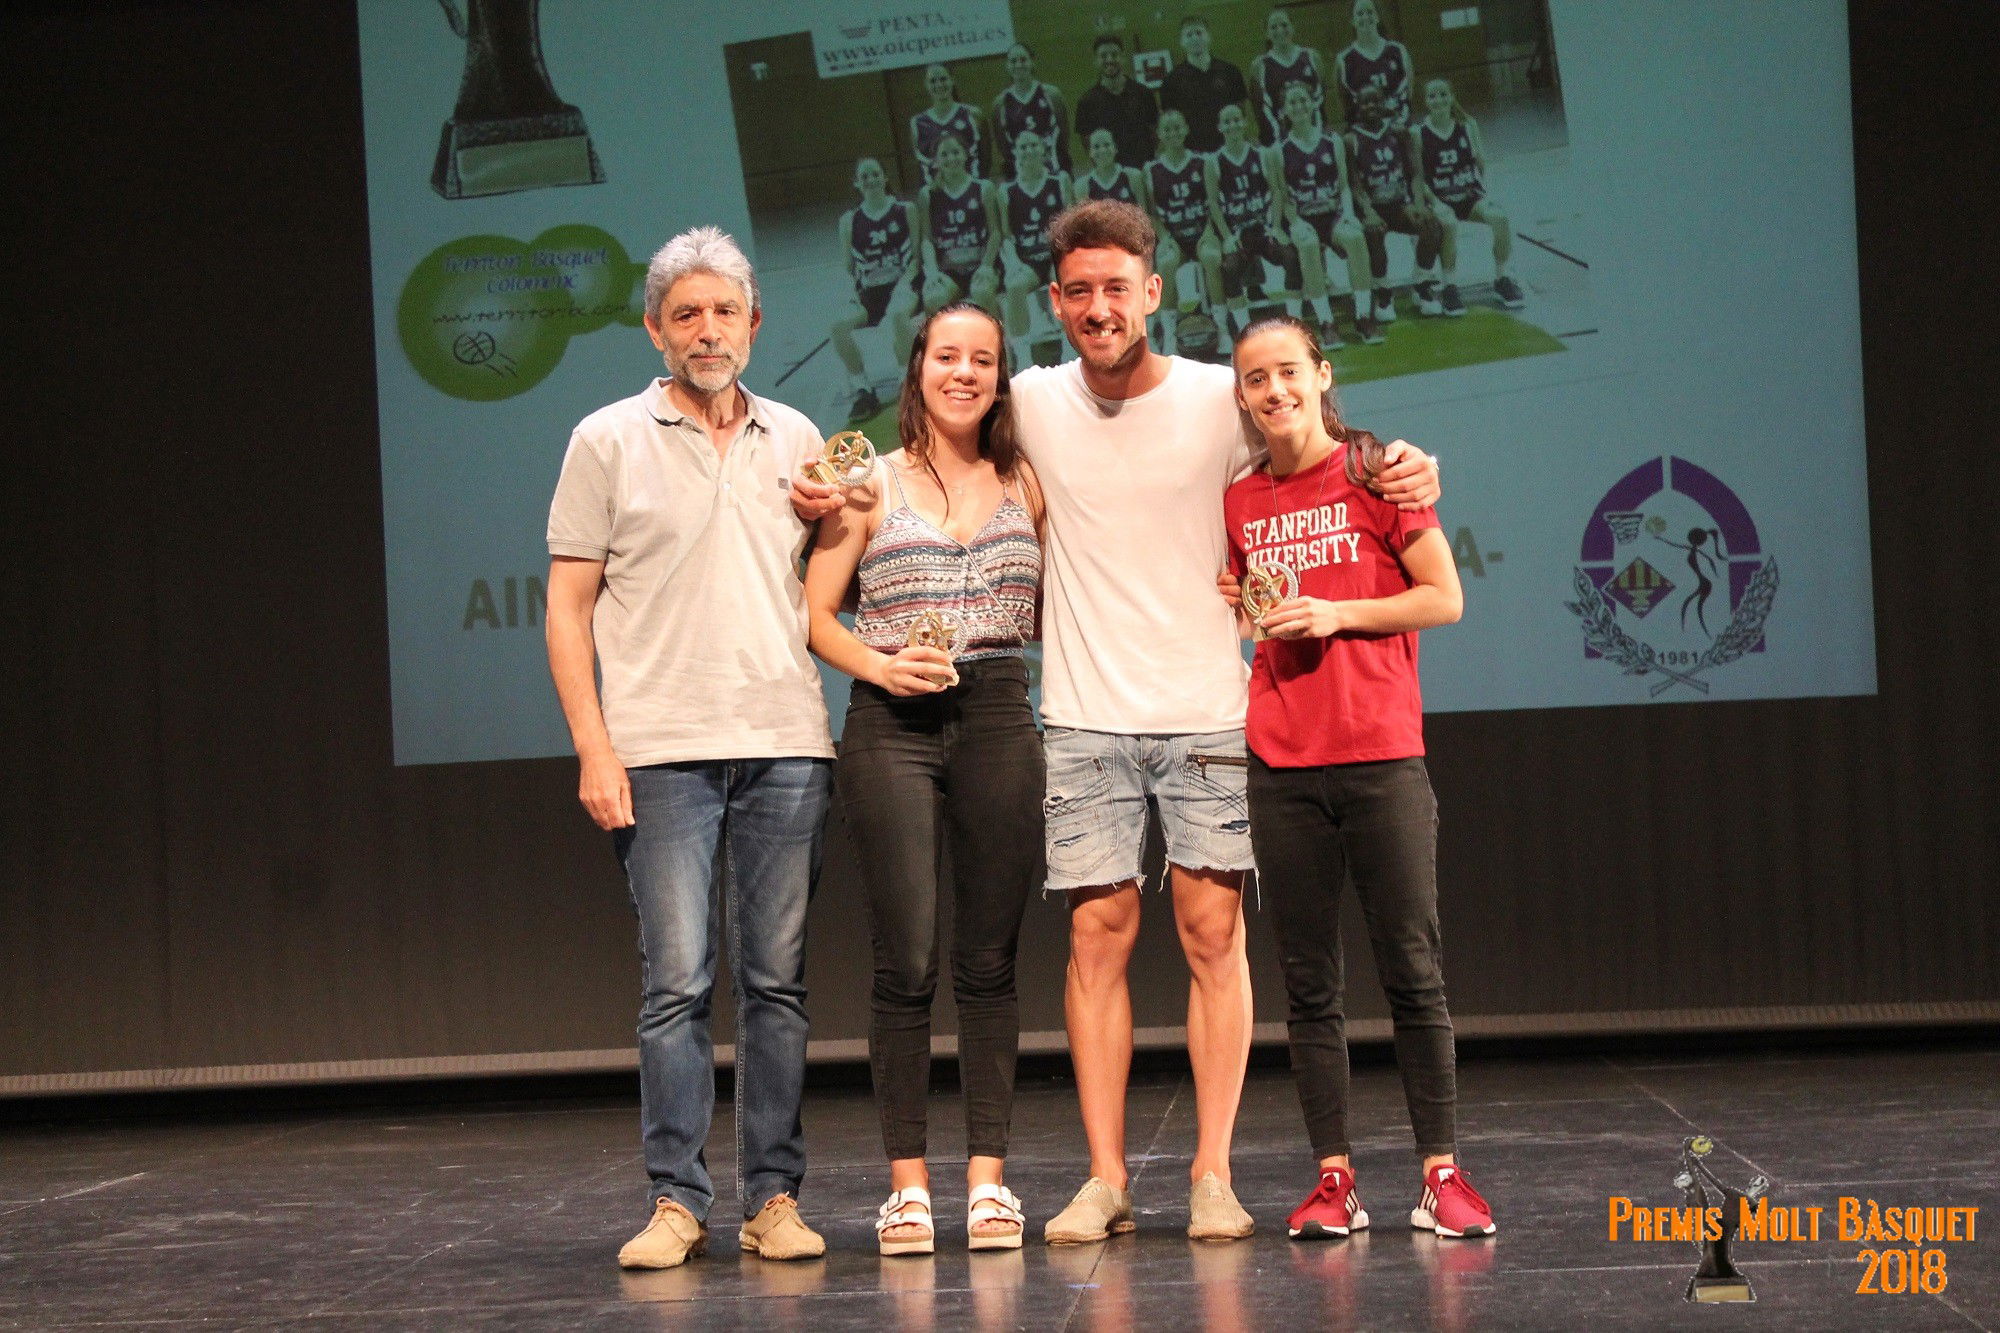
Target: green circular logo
{"type": "Point", "coordinates": [488, 317]}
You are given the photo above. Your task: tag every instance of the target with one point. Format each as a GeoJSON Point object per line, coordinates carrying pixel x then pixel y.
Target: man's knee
{"type": "Point", "coordinates": [673, 994]}
{"type": "Point", "coordinates": [1102, 933]}
{"type": "Point", "coordinates": [1211, 927]}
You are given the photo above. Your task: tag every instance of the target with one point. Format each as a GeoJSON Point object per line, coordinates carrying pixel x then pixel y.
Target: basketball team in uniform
{"type": "Point", "coordinates": [1258, 198]}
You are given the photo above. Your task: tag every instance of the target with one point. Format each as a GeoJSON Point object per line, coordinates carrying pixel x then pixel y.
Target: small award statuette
{"type": "Point", "coordinates": [1267, 586]}
{"type": "Point", "coordinates": [940, 630]}
{"type": "Point", "coordinates": [937, 629]}
{"type": "Point", "coordinates": [849, 460]}
{"type": "Point", "coordinates": [509, 131]}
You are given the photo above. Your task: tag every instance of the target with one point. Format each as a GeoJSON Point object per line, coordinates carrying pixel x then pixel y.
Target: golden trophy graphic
{"type": "Point", "coordinates": [849, 460]}
{"type": "Point", "coordinates": [1266, 587]}
{"type": "Point", "coordinates": [509, 131]}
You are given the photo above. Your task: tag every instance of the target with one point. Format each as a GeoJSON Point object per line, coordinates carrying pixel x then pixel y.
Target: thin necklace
{"type": "Point", "coordinates": [970, 475]}
{"type": "Point", "coordinates": [1318, 493]}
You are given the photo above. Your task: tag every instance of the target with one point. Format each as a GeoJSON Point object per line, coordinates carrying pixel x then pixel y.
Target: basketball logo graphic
{"type": "Point", "coordinates": [1672, 580]}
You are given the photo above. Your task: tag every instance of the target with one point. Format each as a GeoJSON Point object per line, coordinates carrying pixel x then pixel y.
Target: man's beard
{"type": "Point", "coordinates": [1131, 351]}
{"type": "Point", "coordinates": [707, 381]}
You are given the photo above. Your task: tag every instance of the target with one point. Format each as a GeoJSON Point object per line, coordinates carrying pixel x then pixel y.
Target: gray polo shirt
{"type": "Point", "coordinates": [701, 626]}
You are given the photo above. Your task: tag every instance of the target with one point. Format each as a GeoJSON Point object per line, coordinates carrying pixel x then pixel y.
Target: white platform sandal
{"type": "Point", "coordinates": [901, 1211]}
{"type": "Point", "coordinates": [993, 1203]}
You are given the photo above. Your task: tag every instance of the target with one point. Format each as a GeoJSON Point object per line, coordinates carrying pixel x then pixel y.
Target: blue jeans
{"type": "Point", "coordinates": [753, 826]}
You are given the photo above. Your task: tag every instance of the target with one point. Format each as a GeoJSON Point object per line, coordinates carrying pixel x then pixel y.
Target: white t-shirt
{"type": "Point", "coordinates": [1135, 638]}
{"type": "Point", "coordinates": [701, 626]}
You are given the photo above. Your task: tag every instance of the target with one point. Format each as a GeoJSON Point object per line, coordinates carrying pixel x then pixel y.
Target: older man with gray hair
{"type": "Point", "coordinates": [704, 750]}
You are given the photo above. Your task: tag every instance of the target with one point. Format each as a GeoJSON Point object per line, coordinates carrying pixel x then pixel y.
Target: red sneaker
{"type": "Point", "coordinates": [1450, 1206]}
{"type": "Point", "coordinates": [1333, 1209]}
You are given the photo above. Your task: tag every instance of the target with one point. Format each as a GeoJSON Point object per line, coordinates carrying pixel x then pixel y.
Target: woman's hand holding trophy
{"type": "Point", "coordinates": [925, 666]}
{"type": "Point", "coordinates": [1265, 588]}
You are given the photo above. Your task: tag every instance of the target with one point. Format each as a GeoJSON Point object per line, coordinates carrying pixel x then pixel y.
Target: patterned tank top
{"type": "Point", "coordinates": [989, 583]}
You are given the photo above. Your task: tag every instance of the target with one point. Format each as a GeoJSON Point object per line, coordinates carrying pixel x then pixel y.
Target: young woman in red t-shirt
{"type": "Point", "coordinates": [1337, 782]}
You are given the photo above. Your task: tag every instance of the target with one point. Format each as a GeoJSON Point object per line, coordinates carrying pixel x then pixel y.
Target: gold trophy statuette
{"type": "Point", "coordinates": [1265, 588]}
{"type": "Point", "coordinates": [937, 629]}
{"type": "Point", "coordinates": [940, 630]}
{"type": "Point", "coordinates": [849, 460]}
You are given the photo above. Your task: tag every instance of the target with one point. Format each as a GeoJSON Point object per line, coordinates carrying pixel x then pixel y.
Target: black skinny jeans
{"type": "Point", "coordinates": [961, 771]}
{"type": "Point", "coordinates": [1373, 824]}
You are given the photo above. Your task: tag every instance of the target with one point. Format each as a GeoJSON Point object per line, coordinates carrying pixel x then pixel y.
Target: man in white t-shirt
{"type": "Point", "coordinates": [1143, 690]}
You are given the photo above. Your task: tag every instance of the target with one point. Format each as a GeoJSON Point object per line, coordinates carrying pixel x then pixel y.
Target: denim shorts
{"type": "Point", "coordinates": [1101, 783]}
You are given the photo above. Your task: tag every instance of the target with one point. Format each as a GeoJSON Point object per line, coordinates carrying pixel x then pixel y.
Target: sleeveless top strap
{"type": "Point", "coordinates": [896, 480]}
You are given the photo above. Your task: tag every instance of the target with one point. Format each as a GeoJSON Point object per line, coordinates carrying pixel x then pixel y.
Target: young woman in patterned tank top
{"type": "Point", "coordinates": [938, 751]}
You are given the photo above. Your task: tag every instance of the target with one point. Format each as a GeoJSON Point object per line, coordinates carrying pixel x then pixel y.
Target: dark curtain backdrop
{"type": "Point", "coordinates": [209, 860]}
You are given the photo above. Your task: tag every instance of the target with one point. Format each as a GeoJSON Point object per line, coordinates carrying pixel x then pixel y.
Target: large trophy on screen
{"type": "Point", "coordinates": [510, 131]}
{"type": "Point", "coordinates": [1266, 587]}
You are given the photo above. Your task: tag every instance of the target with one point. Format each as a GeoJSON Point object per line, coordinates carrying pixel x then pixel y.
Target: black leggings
{"type": "Point", "coordinates": [954, 775]}
{"type": "Point", "coordinates": [1374, 825]}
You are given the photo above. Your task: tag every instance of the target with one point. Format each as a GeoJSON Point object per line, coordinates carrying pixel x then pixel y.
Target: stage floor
{"type": "Point", "coordinates": [508, 1216]}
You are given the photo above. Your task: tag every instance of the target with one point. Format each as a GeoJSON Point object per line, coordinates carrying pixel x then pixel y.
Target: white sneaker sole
{"type": "Point", "coordinates": [1421, 1220]}
{"type": "Point", "coordinates": [1314, 1231]}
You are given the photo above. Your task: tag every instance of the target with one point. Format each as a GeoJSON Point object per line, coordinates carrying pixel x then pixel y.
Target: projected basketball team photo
{"type": "Point", "coordinates": [1395, 172]}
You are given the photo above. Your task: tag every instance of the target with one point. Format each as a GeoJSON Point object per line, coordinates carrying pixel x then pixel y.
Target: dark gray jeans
{"type": "Point", "coordinates": [958, 772]}
{"type": "Point", "coordinates": [1375, 825]}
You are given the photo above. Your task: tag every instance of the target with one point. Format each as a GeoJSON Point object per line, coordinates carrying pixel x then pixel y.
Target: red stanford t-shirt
{"type": "Point", "coordinates": [1351, 698]}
